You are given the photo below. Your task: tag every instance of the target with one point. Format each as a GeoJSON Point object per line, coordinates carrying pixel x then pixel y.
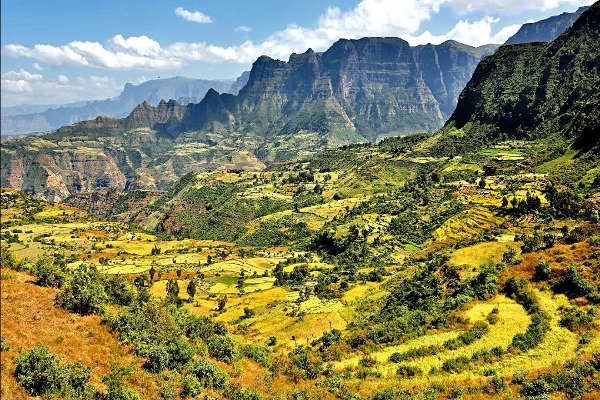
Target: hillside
{"type": "Point", "coordinates": [547, 29]}
{"type": "Point", "coordinates": [534, 90]}
{"type": "Point", "coordinates": [356, 91]}
{"type": "Point", "coordinates": [153, 91]}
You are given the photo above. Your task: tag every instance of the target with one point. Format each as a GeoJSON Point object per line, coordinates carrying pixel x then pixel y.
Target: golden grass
{"type": "Point", "coordinates": [29, 318]}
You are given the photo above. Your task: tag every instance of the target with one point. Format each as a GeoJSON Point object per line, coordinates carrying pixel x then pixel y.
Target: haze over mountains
{"type": "Point", "coordinates": [45, 118]}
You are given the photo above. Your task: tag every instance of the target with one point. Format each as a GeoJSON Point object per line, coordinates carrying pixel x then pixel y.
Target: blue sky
{"type": "Point", "coordinates": [59, 51]}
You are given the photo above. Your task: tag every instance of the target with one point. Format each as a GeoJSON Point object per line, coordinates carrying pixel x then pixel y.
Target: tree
{"type": "Point", "coordinates": [172, 290]}
{"type": "Point", "coordinates": [222, 302]}
{"type": "Point", "coordinates": [152, 272]}
{"type": "Point", "coordinates": [191, 289]}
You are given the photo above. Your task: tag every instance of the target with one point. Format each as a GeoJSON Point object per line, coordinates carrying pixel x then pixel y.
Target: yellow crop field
{"type": "Point", "coordinates": [466, 224]}
{"type": "Point", "coordinates": [481, 253]}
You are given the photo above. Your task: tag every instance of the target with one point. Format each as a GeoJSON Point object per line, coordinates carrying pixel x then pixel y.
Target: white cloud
{"type": "Point", "coordinates": [475, 33]}
{"type": "Point", "coordinates": [195, 16]}
{"type": "Point", "coordinates": [141, 45]}
{"type": "Point", "coordinates": [132, 53]}
{"type": "Point", "coordinates": [37, 67]}
{"type": "Point", "coordinates": [62, 79]}
{"type": "Point", "coordinates": [368, 18]}
{"type": "Point", "coordinates": [508, 6]}
{"type": "Point", "coordinates": [15, 86]}
{"type": "Point", "coordinates": [21, 74]}
{"type": "Point", "coordinates": [243, 28]}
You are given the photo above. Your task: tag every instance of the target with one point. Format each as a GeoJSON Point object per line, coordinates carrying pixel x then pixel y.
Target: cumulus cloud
{"type": "Point", "coordinates": [132, 53]}
{"type": "Point", "coordinates": [141, 45]}
{"type": "Point", "coordinates": [243, 28]}
{"type": "Point", "coordinates": [368, 18]}
{"type": "Point", "coordinates": [193, 16]}
{"type": "Point", "coordinates": [508, 6]}
{"type": "Point", "coordinates": [21, 74]}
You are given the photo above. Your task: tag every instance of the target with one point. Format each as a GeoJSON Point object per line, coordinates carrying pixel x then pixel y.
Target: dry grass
{"type": "Point", "coordinates": [29, 318]}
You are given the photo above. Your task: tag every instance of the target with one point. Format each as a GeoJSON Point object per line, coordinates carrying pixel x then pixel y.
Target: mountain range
{"type": "Point", "coordinates": [20, 120]}
{"type": "Point", "coordinates": [547, 29]}
{"type": "Point", "coordinates": [356, 91]}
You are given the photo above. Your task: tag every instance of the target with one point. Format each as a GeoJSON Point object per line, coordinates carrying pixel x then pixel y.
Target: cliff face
{"type": "Point", "coordinates": [536, 89]}
{"type": "Point", "coordinates": [373, 87]}
{"type": "Point", "coordinates": [358, 90]}
{"type": "Point", "coordinates": [545, 30]}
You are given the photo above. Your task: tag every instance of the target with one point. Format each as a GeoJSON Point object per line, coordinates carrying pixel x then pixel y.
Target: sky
{"type": "Point", "coordinates": [60, 51]}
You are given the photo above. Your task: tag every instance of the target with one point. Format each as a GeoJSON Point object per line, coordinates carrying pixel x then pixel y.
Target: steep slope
{"type": "Point", "coordinates": [152, 91]}
{"type": "Point", "coordinates": [547, 29]}
{"type": "Point", "coordinates": [534, 90]}
{"type": "Point", "coordinates": [357, 91]}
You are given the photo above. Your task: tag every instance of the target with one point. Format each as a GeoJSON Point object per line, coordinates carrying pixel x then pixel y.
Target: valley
{"type": "Point", "coordinates": [323, 234]}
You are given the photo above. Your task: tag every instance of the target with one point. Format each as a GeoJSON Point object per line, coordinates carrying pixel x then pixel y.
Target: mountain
{"type": "Point", "coordinates": [547, 29]}
{"type": "Point", "coordinates": [535, 90]}
{"type": "Point", "coordinates": [51, 117]}
{"type": "Point", "coordinates": [357, 91]}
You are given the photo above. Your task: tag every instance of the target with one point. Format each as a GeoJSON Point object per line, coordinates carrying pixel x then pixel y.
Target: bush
{"type": "Point", "coordinates": [49, 273]}
{"type": "Point", "coordinates": [536, 390]}
{"type": "Point", "coordinates": [209, 375]}
{"type": "Point", "coordinates": [115, 385]}
{"type": "Point", "coordinates": [542, 271]}
{"type": "Point", "coordinates": [257, 353]}
{"type": "Point", "coordinates": [572, 284]}
{"type": "Point", "coordinates": [180, 353]}
{"type": "Point", "coordinates": [223, 348]}
{"type": "Point", "coordinates": [408, 370]}
{"type": "Point", "coordinates": [574, 318]}
{"type": "Point", "coordinates": [167, 392]}
{"type": "Point", "coordinates": [191, 386]}
{"type": "Point", "coordinates": [158, 360]}
{"type": "Point", "coordinates": [3, 345]}
{"type": "Point", "coordinates": [41, 374]}
{"type": "Point", "coordinates": [84, 294]}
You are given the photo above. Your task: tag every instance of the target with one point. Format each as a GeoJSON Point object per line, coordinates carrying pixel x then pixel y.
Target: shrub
{"type": "Point", "coordinates": [41, 374]}
{"type": "Point", "coordinates": [367, 362]}
{"type": "Point", "coordinates": [572, 284]}
{"type": "Point", "coordinates": [158, 360]}
{"type": "Point", "coordinates": [167, 392]}
{"type": "Point", "coordinates": [120, 290]}
{"type": "Point", "coordinates": [223, 348]}
{"type": "Point", "coordinates": [574, 318]}
{"type": "Point", "coordinates": [84, 294]}
{"type": "Point", "coordinates": [180, 353]}
{"type": "Point", "coordinates": [49, 273]}
{"type": "Point", "coordinates": [257, 353]}
{"type": "Point", "coordinates": [3, 345]}
{"type": "Point", "coordinates": [115, 385]}
{"type": "Point", "coordinates": [408, 370]}
{"type": "Point", "coordinates": [536, 390]}
{"type": "Point", "coordinates": [208, 374]}
{"type": "Point", "coordinates": [191, 386]}
{"type": "Point", "coordinates": [542, 271]}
